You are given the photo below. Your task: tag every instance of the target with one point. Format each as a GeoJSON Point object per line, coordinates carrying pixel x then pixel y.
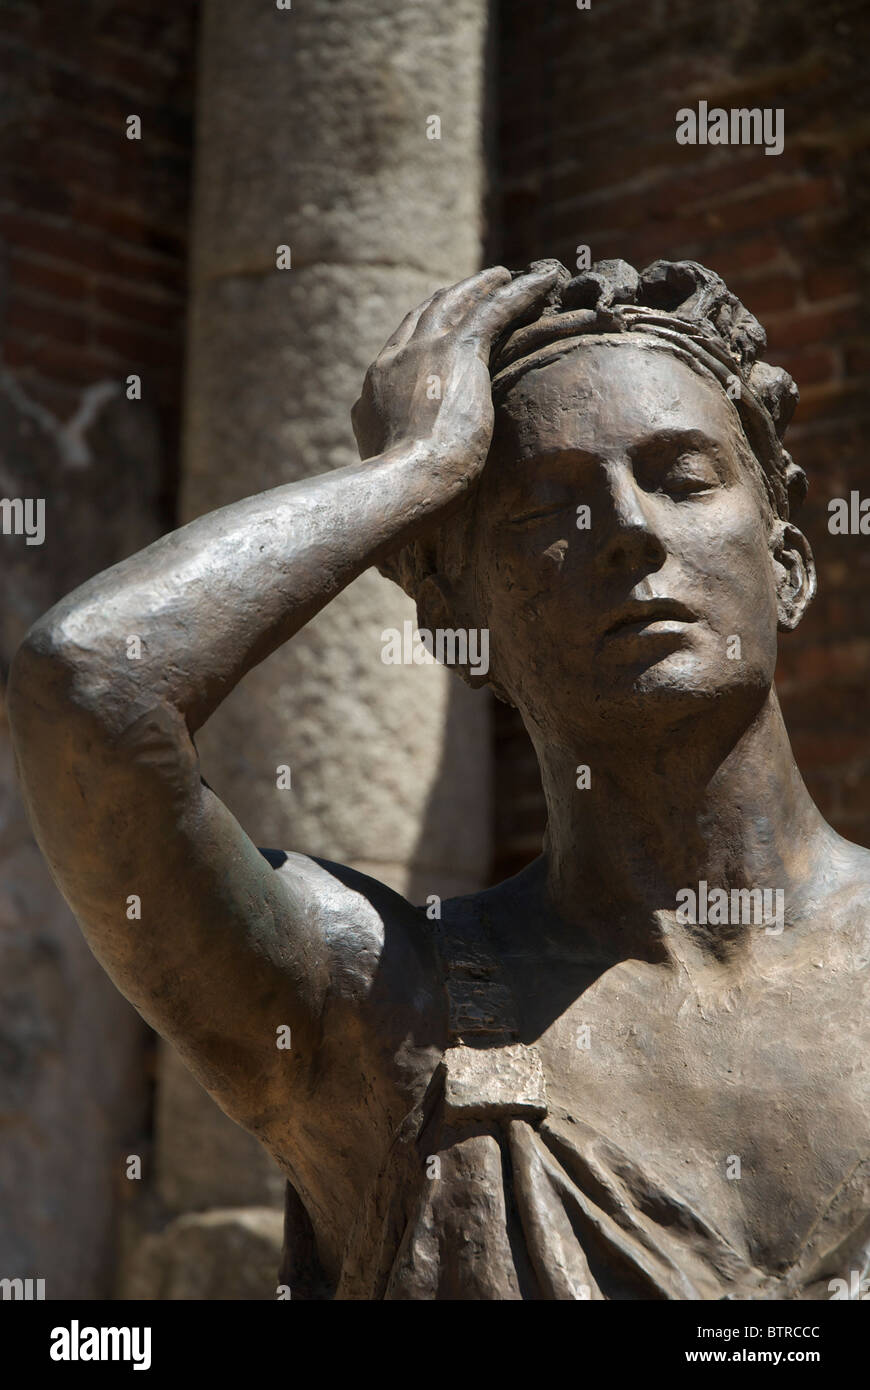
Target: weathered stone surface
{"type": "Point", "coordinates": [73, 1089]}
{"type": "Point", "coordinates": [370, 749]}
{"type": "Point", "coordinates": [202, 1158]}
{"type": "Point", "coordinates": [377, 752]}
{"type": "Point", "coordinates": [493, 1080]}
{"type": "Point", "coordinates": [222, 1254]}
{"type": "Point", "coordinates": [312, 132]}
{"type": "Point", "coordinates": [276, 362]}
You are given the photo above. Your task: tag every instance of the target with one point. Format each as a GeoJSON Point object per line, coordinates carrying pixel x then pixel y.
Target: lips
{"type": "Point", "coordinates": [639, 614]}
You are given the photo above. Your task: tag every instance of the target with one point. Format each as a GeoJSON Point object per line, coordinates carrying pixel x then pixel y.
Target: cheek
{"type": "Point", "coordinates": [525, 578]}
{"type": "Point", "coordinates": [514, 589]}
{"type": "Point", "coordinates": [728, 555]}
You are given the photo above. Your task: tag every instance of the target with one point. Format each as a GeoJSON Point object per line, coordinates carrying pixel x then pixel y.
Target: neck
{"type": "Point", "coordinates": [667, 814]}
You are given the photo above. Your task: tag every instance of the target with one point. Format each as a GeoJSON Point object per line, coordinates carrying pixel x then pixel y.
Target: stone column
{"type": "Point", "coordinates": [352, 135]}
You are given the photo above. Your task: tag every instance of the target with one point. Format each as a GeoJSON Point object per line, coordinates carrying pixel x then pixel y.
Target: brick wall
{"type": "Point", "coordinates": [587, 155]}
{"type": "Point", "coordinates": [94, 225]}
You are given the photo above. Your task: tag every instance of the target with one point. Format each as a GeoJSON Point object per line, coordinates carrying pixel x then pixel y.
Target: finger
{"type": "Point", "coordinates": [407, 326]}
{"type": "Point", "coordinates": [448, 307]}
{"type": "Point", "coordinates": [518, 302]}
{"type": "Point", "coordinates": [467, 293]}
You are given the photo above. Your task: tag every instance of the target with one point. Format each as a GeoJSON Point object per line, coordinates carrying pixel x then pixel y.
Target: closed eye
{"type": "Point", "coordinates": [691, 473]}
{"type": "Point", "coordinates": [537, 514]}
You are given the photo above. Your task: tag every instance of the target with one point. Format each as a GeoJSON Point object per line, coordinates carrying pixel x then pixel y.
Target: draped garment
{"type": "Point", "coordinates": [488, 1192]}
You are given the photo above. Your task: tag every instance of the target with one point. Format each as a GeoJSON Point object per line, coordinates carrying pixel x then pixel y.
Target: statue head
{"type": "Point", "coordinates": [637, 458]}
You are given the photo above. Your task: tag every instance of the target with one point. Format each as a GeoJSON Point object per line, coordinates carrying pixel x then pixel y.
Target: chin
{"type": "Point", "coordinates": [675, 690]}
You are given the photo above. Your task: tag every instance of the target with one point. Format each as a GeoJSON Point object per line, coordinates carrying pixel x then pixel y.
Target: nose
{"type": "Point", "coordinates": [630, 540]}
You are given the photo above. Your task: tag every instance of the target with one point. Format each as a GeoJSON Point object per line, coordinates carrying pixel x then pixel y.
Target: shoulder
{"type": "Point", "coordinates": [386, 956]}
{"type": "Point", "coordinates": [846, 889]}
{"type": "Point", "coordinates": [375, 939]}
{"type": "Point", "coordinates": [833, 946]}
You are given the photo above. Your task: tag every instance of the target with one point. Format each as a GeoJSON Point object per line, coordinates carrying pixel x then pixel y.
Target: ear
{"type": "Point", "coordinates": [795, 571]}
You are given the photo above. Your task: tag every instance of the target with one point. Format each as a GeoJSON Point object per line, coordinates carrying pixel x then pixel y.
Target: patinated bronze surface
{"type": "Point", "coordinates": [613, 1076]}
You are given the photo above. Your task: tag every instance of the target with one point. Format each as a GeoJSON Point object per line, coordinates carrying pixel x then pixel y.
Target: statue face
{"type": "Point", "coordinates": [677, 520]}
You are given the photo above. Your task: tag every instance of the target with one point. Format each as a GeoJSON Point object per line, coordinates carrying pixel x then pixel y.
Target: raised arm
{"type": "Point", "coordinates": [214, 948]}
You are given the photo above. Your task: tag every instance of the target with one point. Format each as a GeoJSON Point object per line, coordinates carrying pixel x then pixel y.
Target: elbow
{"type": "Point", "coordinates": [81, 729]}
{"type": "Point", "coordinates": [34, 673]}
{"type": "Point", "coordinates": [70, 685]}
{"type": "Point", "coordinates": [47, 681]}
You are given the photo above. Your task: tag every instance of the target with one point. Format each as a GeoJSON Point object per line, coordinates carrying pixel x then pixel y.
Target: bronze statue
{"type": "Point", "coordinates": [586, 1082]}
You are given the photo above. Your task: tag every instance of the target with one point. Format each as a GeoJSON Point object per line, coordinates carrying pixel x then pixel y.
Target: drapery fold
{"type": "Point", "coordinates": [556, 1211]}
